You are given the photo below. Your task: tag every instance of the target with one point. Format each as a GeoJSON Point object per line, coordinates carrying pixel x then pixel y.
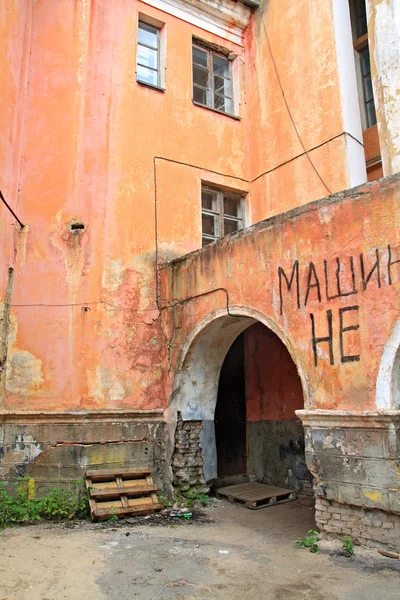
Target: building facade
{"type": "Point", "coordinates": [136, 133]}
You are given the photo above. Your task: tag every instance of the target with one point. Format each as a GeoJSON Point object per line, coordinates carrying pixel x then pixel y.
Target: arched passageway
{"type": "Point", "coordinates": [232, 409]}
{"type": "Point", "coordinates": [256, 429]}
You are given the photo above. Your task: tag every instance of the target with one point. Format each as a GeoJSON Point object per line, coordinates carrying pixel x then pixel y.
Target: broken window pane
{"type": "Point", "coordinates": [219, 102]}
{"type": "Point", "coordinates": [223, 103]}
{"type": "Point", "coordinates": [222, 86]}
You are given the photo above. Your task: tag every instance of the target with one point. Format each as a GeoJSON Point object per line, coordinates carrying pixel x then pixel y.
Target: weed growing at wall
{"type": "Point", "coordinates": [309, 541]}
{"type": "Point", "coordinates": [165, 501]}
{"type": "Point", "coordinates": [192, 495]}
{"type": "Point", "coordinates": [348, 546]}
{"type": "Point", "coordinates": [24, 505]}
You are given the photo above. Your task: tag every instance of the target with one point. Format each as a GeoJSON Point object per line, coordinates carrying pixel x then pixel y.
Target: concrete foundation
{"type": "Point", "coordinates": [57, 451]}
{"type": "Point", "coordinates": [355, 461]}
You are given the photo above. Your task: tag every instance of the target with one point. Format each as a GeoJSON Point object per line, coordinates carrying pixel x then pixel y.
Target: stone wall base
{"type": "Point", "coordinates": [369, 527]}
{"type": "Point", "coordinates": [55, 450]}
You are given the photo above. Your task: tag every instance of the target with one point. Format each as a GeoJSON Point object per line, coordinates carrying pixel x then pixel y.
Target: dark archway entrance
{"type": "Point", "coordinates": [230, 413]}
{"type": "Point", "coordinates": [256, 428]}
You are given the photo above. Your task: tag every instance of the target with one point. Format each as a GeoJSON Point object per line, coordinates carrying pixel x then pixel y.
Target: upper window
{"type": "Point", "coordinates": [148, 54]}
{"type": "Point", "coordinates": [360, 43]}
{"type": "Point", "coordinates": [222, 213]}
{"type": "Point", "coordinates": [212, 79]}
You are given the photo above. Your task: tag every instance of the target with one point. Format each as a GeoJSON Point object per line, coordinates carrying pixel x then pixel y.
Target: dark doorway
{"type": "Point", "coordinates": [230, 413]}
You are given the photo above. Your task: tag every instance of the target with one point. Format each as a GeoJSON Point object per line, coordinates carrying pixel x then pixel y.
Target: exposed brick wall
{"type": "Point", "coordinates": [187, 460]}
{"type": "Point", "coordinates": [365, 526]}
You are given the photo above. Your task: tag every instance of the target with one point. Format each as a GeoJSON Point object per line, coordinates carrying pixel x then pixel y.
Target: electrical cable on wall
{"type": "Point", "coordinates": [287, 105]}
{"type": "Point", "coordinates": [10, 209]}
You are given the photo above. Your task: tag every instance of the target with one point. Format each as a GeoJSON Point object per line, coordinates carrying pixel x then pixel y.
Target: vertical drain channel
{"type": "Point", "coordinates": [4, 330]}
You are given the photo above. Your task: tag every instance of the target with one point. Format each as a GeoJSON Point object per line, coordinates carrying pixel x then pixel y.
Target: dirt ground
{"type": "Point", "coordinates": [229, 553]}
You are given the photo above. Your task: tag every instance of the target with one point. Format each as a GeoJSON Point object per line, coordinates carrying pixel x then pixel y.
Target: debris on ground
{"type": "Point", "coordinates": [389, 554]}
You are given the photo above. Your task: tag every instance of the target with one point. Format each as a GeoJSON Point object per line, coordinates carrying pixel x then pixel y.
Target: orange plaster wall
{"type": "Point", "coordinates": [247, 266]}
{"type": "Point", "coordinates": [14, 32]}
{"type": "Point", "coordinates": [82, 137]}
{"type": "Point", "coordinates": [298, 58]}
{"type": "Point", "coordinates": [85, 331]}
{"type": "Point", "coordinates": [273, 387]}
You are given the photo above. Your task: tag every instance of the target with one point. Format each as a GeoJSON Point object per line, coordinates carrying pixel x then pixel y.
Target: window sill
{"type": "Point", "coordinates": [150, 85]}
{"type": "Point", "coordinates": [220, 112]}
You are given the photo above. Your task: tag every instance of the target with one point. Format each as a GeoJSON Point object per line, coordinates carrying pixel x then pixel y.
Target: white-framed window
{"type": "Point", "coordinates": [222, 213]}
{"type": "Point", "coordinates": [150, 54]}
{"type": "Point", "coordinates": [212, 79]}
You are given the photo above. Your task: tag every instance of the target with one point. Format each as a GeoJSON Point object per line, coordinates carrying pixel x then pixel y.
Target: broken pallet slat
{"type": "Point", "coordinates": [121, 492]}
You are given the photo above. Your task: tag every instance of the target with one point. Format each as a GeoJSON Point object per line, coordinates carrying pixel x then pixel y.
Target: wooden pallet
{"type": "Point", "coordinates": [121, 492]}
{"type": "Point", "coordinates": [256, 495]}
